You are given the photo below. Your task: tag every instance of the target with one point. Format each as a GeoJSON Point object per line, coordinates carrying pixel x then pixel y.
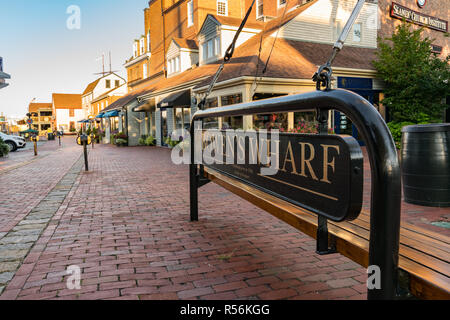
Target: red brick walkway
{"type": "Point", "coordinates": [126, 225]}
{"type": "Point", "coordinates": [22, 188]}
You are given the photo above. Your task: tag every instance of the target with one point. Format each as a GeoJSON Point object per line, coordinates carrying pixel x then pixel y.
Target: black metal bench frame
{"type": "Point", "coordinates": [382, 153]}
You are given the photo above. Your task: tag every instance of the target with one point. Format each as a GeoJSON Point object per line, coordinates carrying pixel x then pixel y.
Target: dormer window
{"type": "Point", "coordinates": [174, 65]}
{"type": "Point", "coordinates": [211, 48]}
{"type": "Point", "coordinates": [135, 50]}
{"type": "Point", "coordinates": [142, 45]}
{"type": "Point", "coordinates": [222, 7]}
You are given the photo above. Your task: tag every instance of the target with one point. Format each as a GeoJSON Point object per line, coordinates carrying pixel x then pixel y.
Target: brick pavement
{"type": "Point", "coordinates": [126, 225]}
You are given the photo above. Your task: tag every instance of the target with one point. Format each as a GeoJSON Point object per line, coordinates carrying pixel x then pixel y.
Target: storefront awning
{"type": "Point", "coordinates": [84, 121]}
{"type": "Point", "coordinates": [177, 100]}
{"type": "Point", "coordinates": [100, 115]}
{"type": "Point", "coordinates": [111, 114]}
{"type": "Point", "coordinates": [146, 106]}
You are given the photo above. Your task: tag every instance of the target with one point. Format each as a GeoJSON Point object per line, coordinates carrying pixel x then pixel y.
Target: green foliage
{"type": "Point", "coordinates": [171, 143]}
{"type": "Point", "coordinates": [416, 80]}
{"type": "Point", "coordinates": [121, 142]}
{"type": "Point", "coordinates": [150, 141]}
{"type": "Point", "coordinates": [4, 149]}
{"type": "Point", "coordinates": [142, 140]}
{"type": "Point", "coordinates": [396, 131]}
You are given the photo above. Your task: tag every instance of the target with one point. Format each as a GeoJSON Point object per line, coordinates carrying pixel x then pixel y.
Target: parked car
{"type": "Point", "coordinates": [13, 142]}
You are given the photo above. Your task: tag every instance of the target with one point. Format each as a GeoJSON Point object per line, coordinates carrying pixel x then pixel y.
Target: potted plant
{"type": "Point", "coordinates": [121, 139]}
{"type": "Point", "coordinates": [4, 149]}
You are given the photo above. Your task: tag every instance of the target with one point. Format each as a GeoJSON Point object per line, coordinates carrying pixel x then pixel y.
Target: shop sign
{"type": "Point", "coordinates": [401, 12]}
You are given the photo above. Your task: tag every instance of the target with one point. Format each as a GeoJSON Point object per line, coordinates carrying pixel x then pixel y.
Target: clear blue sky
{"type": "Point", "coordinates": [43, 56]}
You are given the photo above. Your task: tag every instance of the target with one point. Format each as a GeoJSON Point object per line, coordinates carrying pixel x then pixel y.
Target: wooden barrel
{"type": "Point", "coordinates": [426, 164]}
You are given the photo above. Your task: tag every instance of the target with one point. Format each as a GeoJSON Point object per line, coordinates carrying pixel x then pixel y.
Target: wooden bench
{"type": "Point", "coordinates": [423, 257]}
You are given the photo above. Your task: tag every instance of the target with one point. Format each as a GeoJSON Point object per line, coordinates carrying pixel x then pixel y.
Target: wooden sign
{"type": "Point", "coordinates": [321, 173]}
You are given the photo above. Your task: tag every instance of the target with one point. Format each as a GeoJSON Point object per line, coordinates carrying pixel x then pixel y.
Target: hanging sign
{"type": "Point", "coordinates": [401, 12]}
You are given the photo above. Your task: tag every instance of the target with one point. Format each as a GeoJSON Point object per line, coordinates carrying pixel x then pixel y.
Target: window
{"type": "Point", "coordinates": [222, 7]}
{"type": "Point", "coordinates": [142, 45]}
{"type": "Point", "coordinates": [144, 70]}
{"type": "Point", "coordinates": [135, 50]}
{"type": "Point", "coordinates": [357, 32]}
{"type": "Point", "coordinates": [117, 83]}
{"type": "Point", "coordinates": [281, 3]}
{"type": "Point", "coordinates": [108, 84]}
{"type": "Point", "coordinates": [259, 8]}
{"type": "Point", "coordinates": [190, 13]}
{"type": "Point", "coordinates": [216, 46]}
{"type": "Point", "coordinates": [174, 65]}
{"type": "Point", "coordinates": [210, 48]}
{"type": "Point", "coordinates": [71, 113]}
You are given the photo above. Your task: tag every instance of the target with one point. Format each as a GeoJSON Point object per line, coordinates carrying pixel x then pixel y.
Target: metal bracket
{"type": "Point", "coordinates": [201, 178]}
{"type": "Point", "coordinates": [322, 247]}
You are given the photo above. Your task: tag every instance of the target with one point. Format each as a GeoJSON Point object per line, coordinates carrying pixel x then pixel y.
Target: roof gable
{"type": "Point", "coordinates": [66, 101]}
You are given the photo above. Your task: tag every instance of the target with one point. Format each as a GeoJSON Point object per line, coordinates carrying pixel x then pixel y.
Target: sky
{"type": "Point", "coordinates": [46, 50]}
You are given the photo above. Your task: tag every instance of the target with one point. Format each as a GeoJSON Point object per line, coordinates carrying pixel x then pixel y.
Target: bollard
{"type": "Point", "coordinates": [34, 138]}
{"type": "Point", "coordinates": [84, 141]}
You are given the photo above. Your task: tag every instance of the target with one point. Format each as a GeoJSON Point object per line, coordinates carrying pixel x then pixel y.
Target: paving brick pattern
{"type": "Point", "coordinates": [16, 244]}
{"type": "Point", "coordinates": [126, 225]}
{"type": "Point", "coordinates": [23, 188]}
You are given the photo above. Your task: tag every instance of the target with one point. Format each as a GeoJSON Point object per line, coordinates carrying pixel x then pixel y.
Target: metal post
{"type": "Point", "coordinates": [86, 164]}
{"type": "Point", "coordinates": [35, 145]}
{"type": "Point", "coordinates": [193, 179]}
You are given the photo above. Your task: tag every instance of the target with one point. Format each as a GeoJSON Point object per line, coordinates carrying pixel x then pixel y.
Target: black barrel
{"type": "Point", "coordinates": [426, 164]}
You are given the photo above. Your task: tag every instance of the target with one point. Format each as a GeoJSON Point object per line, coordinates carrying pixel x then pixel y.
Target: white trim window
{"type": "Point", "coordinates": [144, 71]}
{"type": "Point", "coordinates": [142, 46]}
{"type": "Point", "coordinates": [222, 7]}
{"type": "Point", "coordinates": [135, 50]}
{"type": "Point", "coordinates": [357, 32]}
{"type": "Point", "coordinates": [281, 3]}
{"type": "Point", "coordinates": [174, 65]}
{"type": "Point", "coordinates": [190, 13]}
{"type": "Point", "coordinates": [259, 8]}
{"type": "Point", "coordinates": [211, 48]}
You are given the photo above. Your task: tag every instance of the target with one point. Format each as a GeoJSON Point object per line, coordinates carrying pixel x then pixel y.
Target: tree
{"type": "Point", "coordinates": [417, 81]}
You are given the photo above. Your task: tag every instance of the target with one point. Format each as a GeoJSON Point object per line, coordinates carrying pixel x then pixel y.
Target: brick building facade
{"type": "Point", "coordinates": [420, 16]}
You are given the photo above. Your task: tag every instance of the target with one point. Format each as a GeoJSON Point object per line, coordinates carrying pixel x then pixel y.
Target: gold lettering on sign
{"type": "Point", "coordinates": [307, 162]}
{"type": "Point", "coordinates": [291, 159]}
{"type": "Point", "coordinates": [327, 163]}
